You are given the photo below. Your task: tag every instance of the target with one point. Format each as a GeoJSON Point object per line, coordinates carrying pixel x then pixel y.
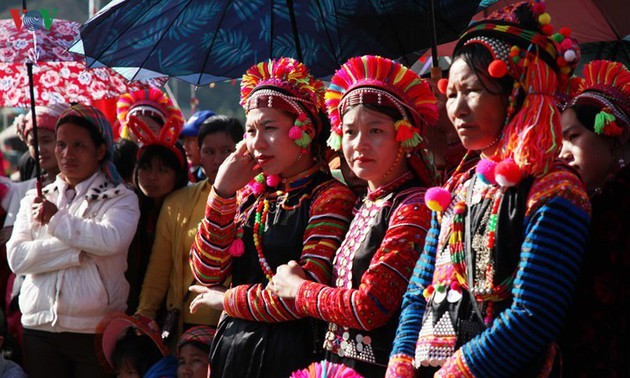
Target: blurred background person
{"type": "Point", "coordinates": [193, 348]}
{"type": "Point", "coordinates": [191, 146]}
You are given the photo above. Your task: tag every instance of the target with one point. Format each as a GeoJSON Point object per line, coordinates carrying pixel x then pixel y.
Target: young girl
{"type": "Point", "coordinates": [378, 110]}
{"type": "Point", "coordinates": [595, 130]}
{"type": "Point", "coordinates": [293, 211]}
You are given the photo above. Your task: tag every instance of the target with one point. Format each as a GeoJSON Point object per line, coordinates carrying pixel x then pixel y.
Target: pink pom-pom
{"type": "Point", "coordinates": [273, 180]}
{"type": "Point", "coordinates": [485, 171]}
{"type": "Point", "coordinates": [455, 286]}
{"type": "Point", "coordinates": [566, 44]}
{"type": "Point", "coordinates": [437, 199]}
{"type": "Point", "coordinates": [538, 8]}
{"type": "Point", "coordinates": [256, 187]}
{"type": "Point", "coordinates": [295, 133]}
{"type": "Point", "coordinates": [301, 117]}
{"type": "Point", "coordinates": [237, 248]}
{"type": "Point", "coordinates": [508, 173]}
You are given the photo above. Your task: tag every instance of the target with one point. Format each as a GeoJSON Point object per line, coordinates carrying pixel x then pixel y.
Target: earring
{"type": "Point", "coordinates": [621, 163]}
{"type": "Point", "coordinates": [408, 155]}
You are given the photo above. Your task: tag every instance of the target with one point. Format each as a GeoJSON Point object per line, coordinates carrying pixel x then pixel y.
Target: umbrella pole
{"type": "Point", "coordinates": [436, 72]}
{"type": "Point", "coordinates": [296, 37]}
{"type": "Point", "coordinates": [38, 169]}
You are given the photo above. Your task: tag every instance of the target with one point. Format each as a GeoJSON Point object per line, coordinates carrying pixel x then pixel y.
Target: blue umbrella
{"type": "Point", "coordinates": [203, 41]}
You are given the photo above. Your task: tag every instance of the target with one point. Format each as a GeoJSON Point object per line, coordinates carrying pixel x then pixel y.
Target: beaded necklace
{"type": "Point", "coordinates": [260, 219]}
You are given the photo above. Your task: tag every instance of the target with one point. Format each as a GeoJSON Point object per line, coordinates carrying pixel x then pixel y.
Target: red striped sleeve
{"type": "Point", "coordinates": [382, 286]}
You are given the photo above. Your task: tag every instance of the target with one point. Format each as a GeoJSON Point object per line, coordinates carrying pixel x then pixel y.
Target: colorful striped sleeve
{"type": "Point", "coordinates": [383, 284]}
{"type": "Point", "coordinates": [329, 217]}
{"type": "Point", "coordinates": [209, 258]}
{"type": "Point", "coordinates": [556, 227]}
{"type": "Point", "coordinates": [413, 307]}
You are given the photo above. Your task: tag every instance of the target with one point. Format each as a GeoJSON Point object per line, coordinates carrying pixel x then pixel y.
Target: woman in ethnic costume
{"type": "Point", "coordinates": [492, 287]}
{"type": "Point", "coordinates": [595, 129]}
{"type": "Point", "coordinates": [294, 210]}
{"type": "Point", "coordinates": [378, 110]}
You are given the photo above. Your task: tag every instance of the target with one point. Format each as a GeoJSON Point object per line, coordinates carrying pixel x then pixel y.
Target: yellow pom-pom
{"type": "Point", "coordinates": [544, 18]}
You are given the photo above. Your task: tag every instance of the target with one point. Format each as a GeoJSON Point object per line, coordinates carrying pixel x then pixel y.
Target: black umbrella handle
{"type": "Point", "coordinates": [38, 168]}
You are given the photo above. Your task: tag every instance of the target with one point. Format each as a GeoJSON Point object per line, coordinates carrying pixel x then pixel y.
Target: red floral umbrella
{"type": "Point", "coordinates": [58, 75]}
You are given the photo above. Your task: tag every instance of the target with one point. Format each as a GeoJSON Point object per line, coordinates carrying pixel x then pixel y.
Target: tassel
{"type": "Point", "coordinates": [304, 140]}
{"type": "Point", "coordinates": [237, 248]}
{"type": "Point", "coordinates": [334, 141]}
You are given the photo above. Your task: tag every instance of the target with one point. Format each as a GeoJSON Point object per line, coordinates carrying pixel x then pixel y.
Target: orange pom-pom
{"type": "Point", "coordinates": [497, 68]}
{"type": "Point", "coordinates": [441, 85]}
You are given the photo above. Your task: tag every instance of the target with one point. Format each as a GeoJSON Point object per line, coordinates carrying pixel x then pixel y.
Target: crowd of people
{"type": "Point", "coordinates": [474, 225]}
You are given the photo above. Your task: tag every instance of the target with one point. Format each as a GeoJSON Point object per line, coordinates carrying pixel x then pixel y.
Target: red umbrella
{"type": "Point", "coordinates": [589, 20]}
{"type": "Point", "coordinates": [37, 69]}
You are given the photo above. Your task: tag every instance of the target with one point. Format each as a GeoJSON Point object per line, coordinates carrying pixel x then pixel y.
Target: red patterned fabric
{"type": "Point", "coordinates": [59, 76]}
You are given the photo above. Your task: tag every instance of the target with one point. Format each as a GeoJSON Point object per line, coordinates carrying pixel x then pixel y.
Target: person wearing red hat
{"type": "Point", "coordinates": [596, 130]}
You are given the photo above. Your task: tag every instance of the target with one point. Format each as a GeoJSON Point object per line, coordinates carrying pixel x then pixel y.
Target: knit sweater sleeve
{"type": "Point", "coordinates": [210, 260]}
{"type": "Point", "coordinates": [383, 284]}
{"type": "Point", "coordinates": [329, 217]}
{"type": "Point", "coordinates": [412, 309]}
{"type": "Point", "coordinates": [556, 227]}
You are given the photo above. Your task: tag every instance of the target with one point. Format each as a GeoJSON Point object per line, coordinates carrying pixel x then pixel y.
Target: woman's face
{"type": "Point", "coordinates": [156, 179]}
{"type": "Point", "coordinates": [47, 158]}
{"type": "Point", "coordinates": [370, 147]}
{"type": "Point", "coordinates": [590, 154]}
{"type": "Point", "coordinates": [477, 114]}
{"type": "Point", "coordinates": [267, 139]}
{"type": "Point", "coordinates": [77, 154]}
{"type": "Point", "coordinates": [193, 362]}
{"type": "Point", "coordinates": [215, 148]}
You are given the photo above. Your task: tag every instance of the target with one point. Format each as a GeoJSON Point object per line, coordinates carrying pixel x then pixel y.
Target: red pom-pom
{"type": "Point", "coordinates": [485, 171]}
{"type": "Point", "coordinates": [566, 32]}
{"type": "Point", "coordinates": [441, 85]}
{"type": "Point", "coordinates": [561, 61]}
{"type": "Point", "coordinates": [538, 8]}
{"type": "Point", "coordinates": [547, 29]}
{"type": "Point", "coordinates": [404, 132]}
{"type": "Point", "coordinates": [273, 180]}
{"type": "Point", "coordinates": [237, 248]}
{"type": "Point", "coordinates": [455, 286]}
{"type": "Point", "coordinates": [508, 173]}
{"type": "Point", "coordinates": [497, 68]}
{"type": "Point", "coordinates": [567, 44]}
{"type": "Point", "coordinates": [295, 133]}
{"type": "Point", "coordinates": [437, 199]}
{"type": "Point", "coordinates": [301, 117]}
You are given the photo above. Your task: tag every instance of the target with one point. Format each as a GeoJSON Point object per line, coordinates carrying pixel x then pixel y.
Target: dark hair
{"type": "Point", "coordinates": [168, 157]}
{"type": "Point", "coordinates": [585, 114]}
{"type": "Point", "coordinates": [478, 58]}
{"type": "Point", "coordinates": [139, 351]}
{"type": "Point", "coordinates": [125, 153]}
{"type": "Point", "coordinates": [220, 123]}
{"type": "Point", "coordinates": [389, 111]}
{"type": "Point", "coordinates": [199, 345]}
{"type": "Point", "coordinates": [95, 135]}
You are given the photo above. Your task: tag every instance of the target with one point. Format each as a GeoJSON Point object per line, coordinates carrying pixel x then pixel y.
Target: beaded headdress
{"type": "Point", "coordinates": [151, 102]}
{"type": "Point", "coordinates": [167, 137]}
{"type": "Point", "coordinates": [523, 44]}
{"type": "Point", "coordinates": [285, 84]}
{"type": "Point", "coordinates": [380, 81]}
{"type": "Point", "coordinates": [607, 86]}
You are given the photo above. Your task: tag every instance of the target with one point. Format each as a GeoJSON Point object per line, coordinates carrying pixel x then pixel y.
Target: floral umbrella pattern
{"type": "Point", "coordinates": [58, 75]}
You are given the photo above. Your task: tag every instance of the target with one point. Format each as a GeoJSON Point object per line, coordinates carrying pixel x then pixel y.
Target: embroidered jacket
{"type": "Point", "coordinates": [555, 226]}
{"type": "Point", "coordinates": [372, 269]}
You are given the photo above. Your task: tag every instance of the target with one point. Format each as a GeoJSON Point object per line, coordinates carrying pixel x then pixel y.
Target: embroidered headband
{"type": "Point", "coordinates": [149, 102]}
{"type": "Point", "coordinates": [606, 85]}
{"type": "Point", "coordinates": [380, 81]}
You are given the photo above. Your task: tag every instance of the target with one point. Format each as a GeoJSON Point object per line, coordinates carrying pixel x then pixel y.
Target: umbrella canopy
{"type": "Point", "coordinates": [202, 41]}
{"type": "Point", "coordinates": [58, 75]}
{"type": "Point", "coordinates": [589, 20]}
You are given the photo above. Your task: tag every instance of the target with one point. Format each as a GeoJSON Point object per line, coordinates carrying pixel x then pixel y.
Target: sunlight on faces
{"type": "Point", "coordinates": [193, 362]}
{"type": "Point", "coordinates": [370, 147]}
{"type": "Point", "coordinates": [156, 179]}
{"type": "Point", "coordinates": [191, 147]}
{"type": "Point", "coordinates": [215, 147]}
{"type": "Point", "coordinates": [77, 154]}
{"type": "Point", "coordinates": [46, 140]}
{"type": "Point", "coordinates": [267, 139]}
{"type": "Point", "coordinates": [587, 152]}
{"type": "Point", "coordinates": [477, 114]}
